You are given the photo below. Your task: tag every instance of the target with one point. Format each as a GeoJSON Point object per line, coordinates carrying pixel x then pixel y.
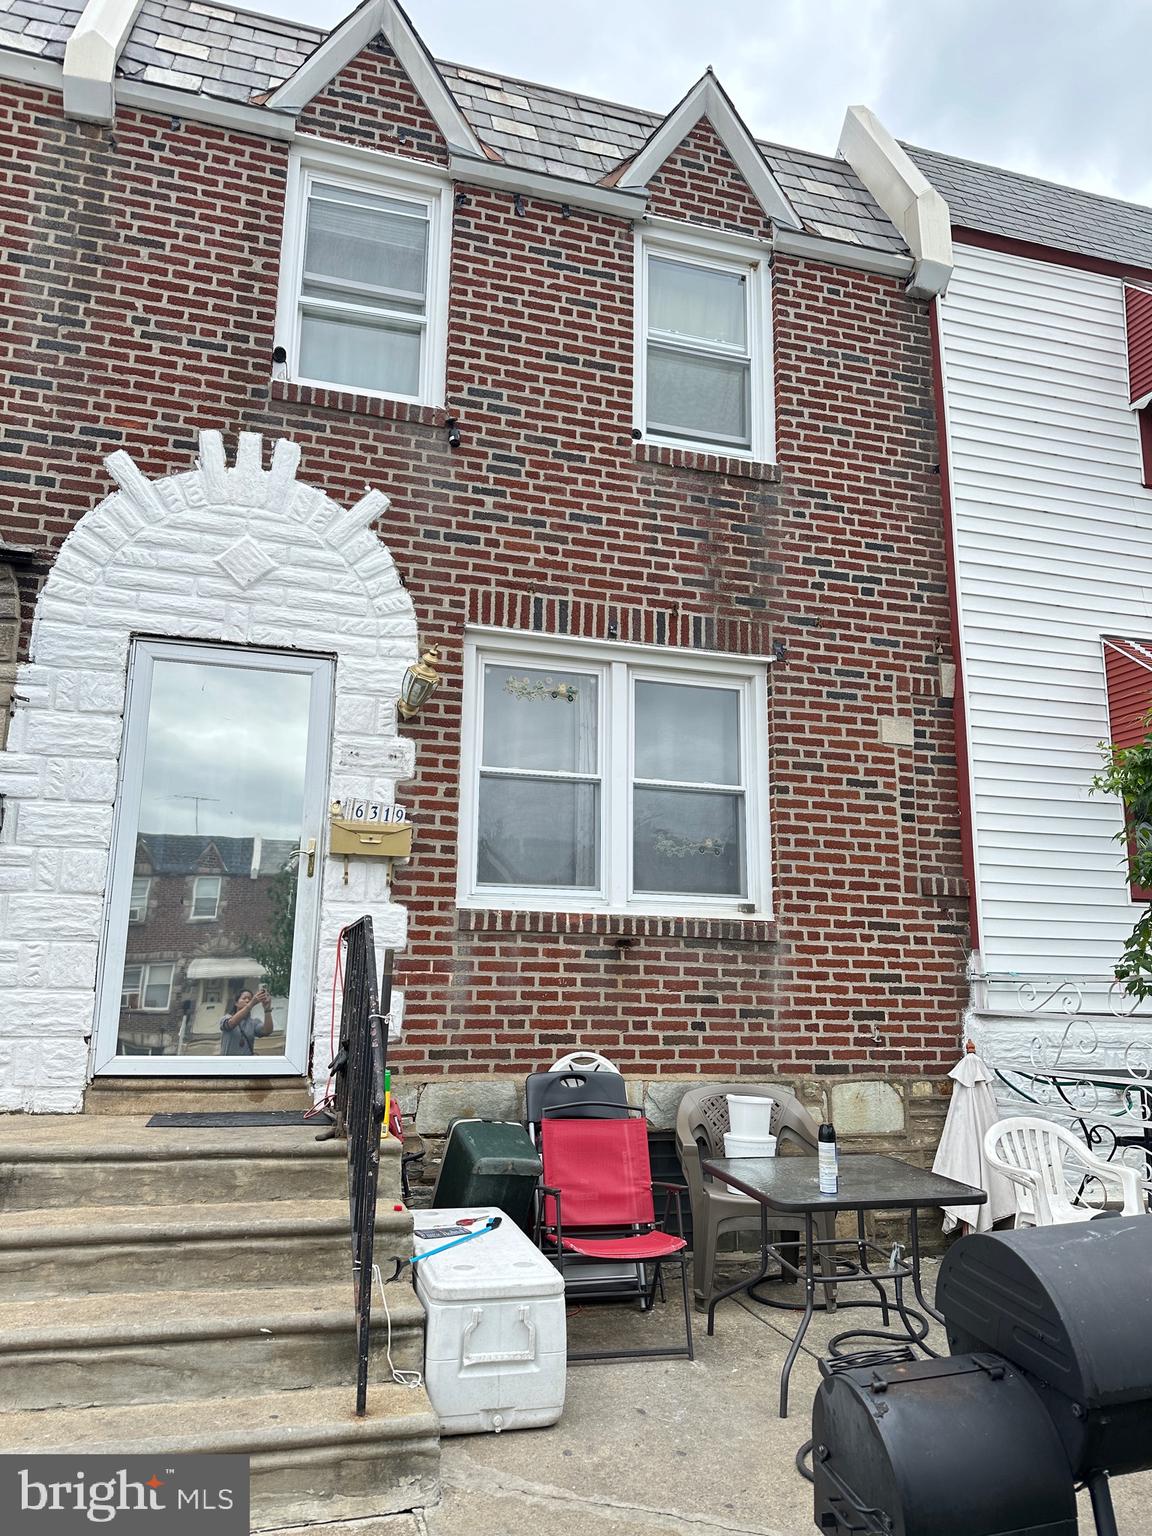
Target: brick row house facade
{"type": "Point", "coordinates": [315, 353]}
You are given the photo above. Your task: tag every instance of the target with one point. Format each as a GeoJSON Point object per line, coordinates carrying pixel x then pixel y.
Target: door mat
{"type": "Point", "coordinates": [235, 1119]}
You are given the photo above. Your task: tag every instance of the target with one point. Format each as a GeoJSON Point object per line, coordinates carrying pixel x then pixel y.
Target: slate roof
{"type": "Point", "coordinates": [565, 133]}
{"type": "Point", "coordinates": [222, 52]}
{"type": "Point", "coordinates": [180, 853]}
{"type": "Point", "coordinates": [214, 50]}
{"type": "Point", "coordinates": [32, 26]}
{"type": "Point", "coordinates": [1001, 202]}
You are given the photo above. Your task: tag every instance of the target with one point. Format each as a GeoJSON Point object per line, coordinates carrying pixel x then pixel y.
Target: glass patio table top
{"type": "Point", "coordinates": [868, 1182]}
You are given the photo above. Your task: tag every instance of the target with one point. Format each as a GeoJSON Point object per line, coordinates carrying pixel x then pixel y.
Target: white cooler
{"type": "Point", "coordinates": [496, 1347]}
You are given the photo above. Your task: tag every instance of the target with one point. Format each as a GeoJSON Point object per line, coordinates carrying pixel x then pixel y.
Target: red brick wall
{"type": "Point", "coordinates": [372, 102]}
{"type": "Point", "coordinates": [700, 182]}
{"type": "Point", "coordinates": [138, 304]}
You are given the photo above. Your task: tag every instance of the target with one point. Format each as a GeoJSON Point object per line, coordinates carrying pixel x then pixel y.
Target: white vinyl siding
{"type": "Point", "coordinates": [1054, 550]}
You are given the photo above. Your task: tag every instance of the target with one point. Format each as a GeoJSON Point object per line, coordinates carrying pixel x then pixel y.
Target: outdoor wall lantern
{"type": "Point", "coordinates": [420, 682]}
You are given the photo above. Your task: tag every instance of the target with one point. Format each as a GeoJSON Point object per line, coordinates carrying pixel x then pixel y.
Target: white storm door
{"type": "Point", "coordinates": [214, 884]}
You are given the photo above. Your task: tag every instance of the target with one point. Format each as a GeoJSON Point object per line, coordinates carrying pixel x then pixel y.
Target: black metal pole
{"type": "Point", "coordinates": [1102, 1510]}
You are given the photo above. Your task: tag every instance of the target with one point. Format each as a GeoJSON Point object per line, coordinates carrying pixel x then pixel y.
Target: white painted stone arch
{"type": "Point", "coordinates": [244, 554]}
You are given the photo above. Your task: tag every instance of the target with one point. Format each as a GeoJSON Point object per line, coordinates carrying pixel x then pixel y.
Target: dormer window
{"type": "Point", "coordinates": [704, 348]}
{"type": "Point", "coordinates": [364, 281]}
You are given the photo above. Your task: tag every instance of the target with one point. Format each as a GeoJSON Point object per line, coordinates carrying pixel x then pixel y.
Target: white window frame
{"type": "Point", "coordinates": [146, 970]}
{"type": "Point", "coordinates": [380, 176]}
{"type": "Point", "coordinates": [138, 907]}
{"type": "Point", "coordinates": [718, 252]}
{"type": "Point", "coordinates": [205, 917]}
{"type": "Point", "coordinates": [617, 667]}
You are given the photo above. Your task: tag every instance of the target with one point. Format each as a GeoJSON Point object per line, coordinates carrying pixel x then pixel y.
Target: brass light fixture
{"type": "Point", "coordinates": [420, 682]}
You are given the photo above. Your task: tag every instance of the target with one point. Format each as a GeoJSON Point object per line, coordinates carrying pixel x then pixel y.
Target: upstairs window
{"type": "Point", "coordinates": [703, 348]}
{"type": "Point", "coordinates": [609, 779]}
{"type": "Point", "coordinates": [205, 898]}
{"type": "Point", "coordinates": [364, 305]}
{"type": "Point", "coordinates": [138, 905]}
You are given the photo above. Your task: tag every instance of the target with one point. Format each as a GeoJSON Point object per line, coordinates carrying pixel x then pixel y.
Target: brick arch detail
{"type": "Point", "coordinates": [238, 553]}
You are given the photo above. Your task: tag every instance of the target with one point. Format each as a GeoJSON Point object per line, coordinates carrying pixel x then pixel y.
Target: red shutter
{"type": "Point", "coordinates": [1145, 419]}
{"type": "Point", "coordinates": [1138, 315]}
{"type": "Point", "coordinates": [1128, 666]}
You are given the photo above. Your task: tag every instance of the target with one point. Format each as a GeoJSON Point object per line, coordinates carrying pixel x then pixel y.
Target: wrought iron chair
{"type": "Point", "coordinates": [1056, 1178]}
{"type": "Point", "coordinates": [596, 1205]}
{"type": "Point", "coordinates": [701, 1122]}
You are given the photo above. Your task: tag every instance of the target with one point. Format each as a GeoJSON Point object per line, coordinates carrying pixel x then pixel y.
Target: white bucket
{"type": "Point", "coordinates": [750, 1116]}
{"type": "Point", "coordinates": [749, 1146]}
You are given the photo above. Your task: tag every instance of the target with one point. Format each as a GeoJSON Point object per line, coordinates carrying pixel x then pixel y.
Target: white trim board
{"type": "Point", "coordinates": [708, 99]}
{"type": "Point", "coordinates": [90, 56]}
{"type": "Point", "coordinates": [555, 189]}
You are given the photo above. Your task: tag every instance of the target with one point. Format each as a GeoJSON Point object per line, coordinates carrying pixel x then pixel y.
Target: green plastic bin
{"type": "Point", "coordinates": [489, 1162]}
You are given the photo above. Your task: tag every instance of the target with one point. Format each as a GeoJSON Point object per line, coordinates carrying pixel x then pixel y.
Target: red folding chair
{"type": "Point", "coordinates": [596, 1204]}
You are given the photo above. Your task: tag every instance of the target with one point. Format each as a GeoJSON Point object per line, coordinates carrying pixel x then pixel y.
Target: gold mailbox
{"type": "Point", "coordinates": [370, 839]}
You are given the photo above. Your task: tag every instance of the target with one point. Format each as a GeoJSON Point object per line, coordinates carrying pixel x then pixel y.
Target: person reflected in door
{"type": "Point", "coordinates": [239, 1027]}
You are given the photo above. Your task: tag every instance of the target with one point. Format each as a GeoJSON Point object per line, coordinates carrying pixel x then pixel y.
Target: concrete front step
{"type": "Point", "coordinates": [71, 1160]}
{"type": "Point", "coordinates": [193, 1095]}
{"type": "Point", "coordinates": [156, 1347]}
{"type": "Point", "coordinates": [84, 1250]}
{"type": "Point", "coordinates": [312, 1459]}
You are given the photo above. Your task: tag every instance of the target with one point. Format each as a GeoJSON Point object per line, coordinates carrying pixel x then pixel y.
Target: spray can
{"type": "Point", "coordinates": [387, 1098]}
{"type": "Point", "coordinates": [827, 1159]}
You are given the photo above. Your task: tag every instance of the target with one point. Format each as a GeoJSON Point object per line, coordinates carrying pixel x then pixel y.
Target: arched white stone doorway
{"type": "Point", "coordinates": [242, 555]}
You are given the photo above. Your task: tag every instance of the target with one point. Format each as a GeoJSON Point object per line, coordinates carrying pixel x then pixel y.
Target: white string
{"type": "Point", "coordinates": [401, 1378]}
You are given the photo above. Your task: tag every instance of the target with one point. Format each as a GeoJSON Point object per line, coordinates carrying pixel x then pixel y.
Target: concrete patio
{"type": "Point", "coordinates": [666, 1448]}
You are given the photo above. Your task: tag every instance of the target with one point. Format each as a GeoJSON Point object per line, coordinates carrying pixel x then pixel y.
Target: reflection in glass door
{"type": "Point", "coordinates": [211, 921]}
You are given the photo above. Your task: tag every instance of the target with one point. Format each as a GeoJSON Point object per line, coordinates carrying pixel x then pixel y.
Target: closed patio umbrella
{"type": "Point", "coordinates": [960, 1154]}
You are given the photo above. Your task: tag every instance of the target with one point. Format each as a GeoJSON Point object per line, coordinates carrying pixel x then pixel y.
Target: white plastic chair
{"type": "Point", "coordinates": [584, 1061]}
{"type": "Point", "coordinates": [1057, 1179]}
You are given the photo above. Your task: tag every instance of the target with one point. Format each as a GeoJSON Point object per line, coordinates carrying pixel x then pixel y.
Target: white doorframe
{"type": "Point", "coordinates": [142, 659]}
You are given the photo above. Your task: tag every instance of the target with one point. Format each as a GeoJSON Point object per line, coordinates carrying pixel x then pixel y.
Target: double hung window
{"type": "Point", "coordinates": [138, 905]}
{"type": "Point", "coordinates": [147, 987]}
{"type": "Point", "coordinates": [364, 303]}
{"type": "Point", "coordinates": [704, 349]}
{"type": "Point", "coordinates": [205, 898]}
{"type": "Point", "coordinates": [598, 779]}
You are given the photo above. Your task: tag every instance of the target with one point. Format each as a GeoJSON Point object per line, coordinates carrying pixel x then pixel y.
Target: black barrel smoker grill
{"type": "Point", "coordinates": [1049, 1386]}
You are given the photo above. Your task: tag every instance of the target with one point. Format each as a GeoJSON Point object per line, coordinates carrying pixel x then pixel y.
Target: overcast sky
{"type": "Point", "coordinates": [1058, 88]}
{"type": "Point", "coordinates": [225, 754]}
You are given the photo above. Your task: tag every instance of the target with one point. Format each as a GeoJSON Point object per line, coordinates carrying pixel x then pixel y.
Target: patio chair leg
{"type": "Point", "coordinates": [687, 1305]}
{"type": "Point", "coordinates": [648, 1300]}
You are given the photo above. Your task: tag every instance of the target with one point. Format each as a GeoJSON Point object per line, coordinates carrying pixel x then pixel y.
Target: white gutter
{"type": "Point", "coordinates": [906, 196]}
{"type": "Point", "coordinates": [90, 58]}
{"type": "Point", "coordinates": [555, 189]}
{"type": "Point", "coordinates": [842, 253]}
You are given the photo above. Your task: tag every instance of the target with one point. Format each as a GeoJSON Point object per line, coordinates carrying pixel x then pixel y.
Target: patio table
{"type": "Point", "coordinates": [868, 1182]}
